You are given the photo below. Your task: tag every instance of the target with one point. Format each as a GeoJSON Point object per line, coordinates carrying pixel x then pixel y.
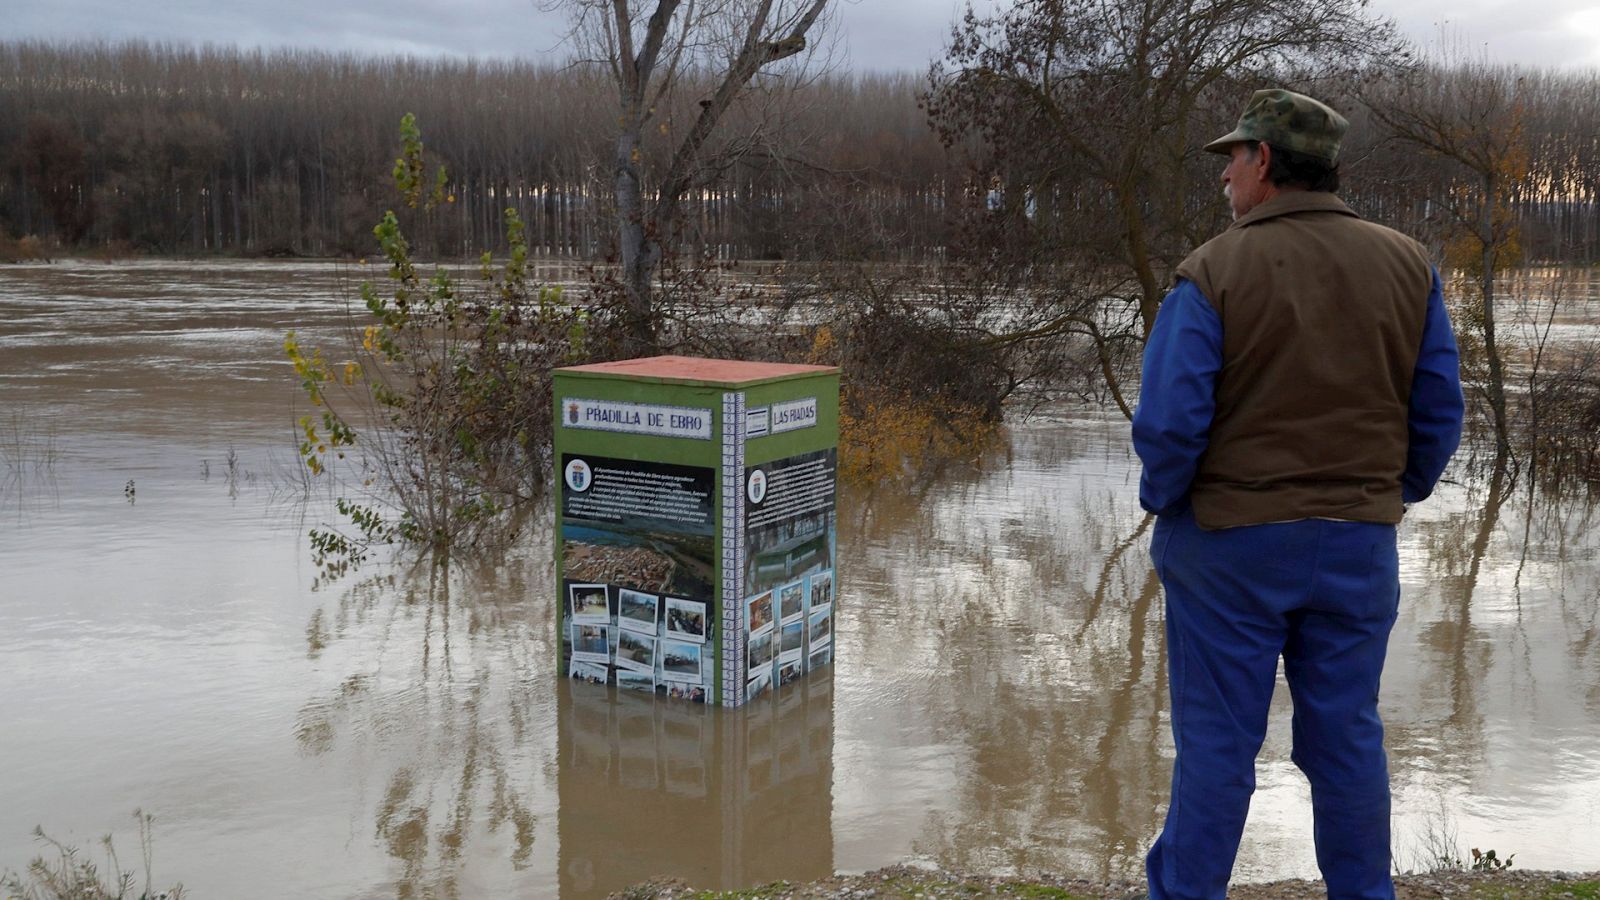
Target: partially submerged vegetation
{"type": "Point", "coordinates": [446, 385]}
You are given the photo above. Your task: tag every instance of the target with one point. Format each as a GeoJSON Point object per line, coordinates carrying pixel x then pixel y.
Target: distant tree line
{"type": "Point", "coordinates": [172, 149]}
{"type": "Point", "coordinates": [179, 150]}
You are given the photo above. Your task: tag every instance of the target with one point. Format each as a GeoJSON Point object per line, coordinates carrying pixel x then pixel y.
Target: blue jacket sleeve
{"type": "Point", "coordinates": [1433, 424]}
{"type": "Point", "coordinates": [1172, 425]}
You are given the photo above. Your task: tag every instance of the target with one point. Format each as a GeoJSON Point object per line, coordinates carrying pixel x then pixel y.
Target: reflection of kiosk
{"type": "Point", "coordinates": [695, 529]}
{"type": "Point", "coordinates": [721, 800]}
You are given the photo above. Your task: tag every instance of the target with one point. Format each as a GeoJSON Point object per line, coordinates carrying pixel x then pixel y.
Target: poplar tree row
{"type": "Point", "coordinates": [179, 150]}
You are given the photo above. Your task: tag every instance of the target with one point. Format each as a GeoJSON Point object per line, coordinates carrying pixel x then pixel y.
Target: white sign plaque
{"type": "Point", "coordinates": [637, 418]}
{"type": "Point", "coordinates": [755, 421]}
{"type": "Point", "coordinates": [792, 414]}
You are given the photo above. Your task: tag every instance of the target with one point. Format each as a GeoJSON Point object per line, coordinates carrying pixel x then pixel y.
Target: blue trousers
{"type": "Point", "coordinates": [1322, 595]}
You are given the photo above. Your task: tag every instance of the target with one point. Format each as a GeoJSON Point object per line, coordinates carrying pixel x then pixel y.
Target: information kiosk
{"type": "Point", "coordinates": [695, 524]}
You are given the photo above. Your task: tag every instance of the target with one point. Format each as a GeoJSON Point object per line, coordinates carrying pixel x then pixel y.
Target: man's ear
{"type": "Point", "coordinates": [1263, 163]}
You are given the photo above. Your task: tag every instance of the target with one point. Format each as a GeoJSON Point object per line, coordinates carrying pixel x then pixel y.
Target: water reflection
{"type": "Point", "coordinates": [1017, 612]}
{"type": "Point", "coordinates": [443, 693]}
{"type": "Point", "coordinates": [721, 798]}
{"type": "Point", "coordinates": [1502, 670]}
{"type": "Point", "coordinates": [1026, 588]}
{"type": "Point", "coordinates": [1453, 640]}
{"type": "Point", "coordinates": [26, 492]}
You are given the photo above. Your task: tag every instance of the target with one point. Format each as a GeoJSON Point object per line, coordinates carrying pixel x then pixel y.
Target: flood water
{"type": "Point", "coordinates": [997, 702]}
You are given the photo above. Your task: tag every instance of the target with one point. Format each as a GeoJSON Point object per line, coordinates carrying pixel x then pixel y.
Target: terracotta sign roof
{"type": "Point", "coordinates": [694, 368]}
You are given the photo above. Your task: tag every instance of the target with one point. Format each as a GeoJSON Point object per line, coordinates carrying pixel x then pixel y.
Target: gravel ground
{"type": "Point", "coordinates": [904, 882]}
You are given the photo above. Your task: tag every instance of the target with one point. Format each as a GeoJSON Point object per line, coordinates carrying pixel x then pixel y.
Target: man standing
{"type": "Point", "coordinates": [1300, 386]}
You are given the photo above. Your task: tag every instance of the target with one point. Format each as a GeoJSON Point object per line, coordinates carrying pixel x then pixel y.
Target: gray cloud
{"type": "Point", "coordinates": [1559, 33]}
{"type": "Point", "coordinates": [886, 35]}
{"type": "Point", "coordinates": [461, 28]}
{"type": "Point", "coordinates": [874, 34]}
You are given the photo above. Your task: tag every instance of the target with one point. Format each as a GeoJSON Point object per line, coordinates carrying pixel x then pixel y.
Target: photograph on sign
{"type": "Point", "coordinates": [694, 693]}
{"type": "Point", "coordinates": [780, 554]}
{"type": "Point", "coordinates": [591, 643]}
{"type": "Point", "coordinates": [819, 658]}
{"type": "Point", "coordinates": [589, 603]}
{"type": "Point", "coordinates": [636, 680]}
{"type": "Point", "coordinates": [593, 673]}
{"type": "Point", "coordinates": [636, 611]}
{"type": "Point", "coordinates": [760, 652]}
{"type": "Point", "coordinates": [821, 626]}
{"type": "Point", "coordinates": [792, 642]}
{"type": "Point", "coordinates": [758, 685]}
{"type": "Point", "coordinates": [788, 672]}
{"type": "Point", "coordinates": [821, 590]}
{"type": "Point", "coordinates": [758, 613]}
{"type": "Point", "coordinates": [636, 651]}
{"type": "Point", "coordinates": [676, 564]}
{"type": "Point", "coordinates": [791, 602]}
{"type": "Point", "coordinates": [686, 619]}
{"type": "Point", "coordinates": [680, 661]}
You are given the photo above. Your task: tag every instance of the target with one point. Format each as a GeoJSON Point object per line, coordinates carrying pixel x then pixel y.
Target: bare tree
{"type": "Point", "coordinates": [1473, 117]}
{"type": "Point", "coordinates": [655, 52]}
{"type": "Point", "coordinates": [1084, 120]}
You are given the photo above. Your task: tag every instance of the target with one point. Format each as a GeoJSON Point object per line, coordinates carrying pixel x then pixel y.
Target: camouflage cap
{"type": "Point", "coordinates": [1289, 121]}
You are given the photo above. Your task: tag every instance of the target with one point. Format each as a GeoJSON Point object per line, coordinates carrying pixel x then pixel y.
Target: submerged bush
{"type": "Point", "coordinates": [919, 386]}
{"type": "Point", "coordinates": [446, 389]}
{"type": "Point", "coordinates": [23, 249]}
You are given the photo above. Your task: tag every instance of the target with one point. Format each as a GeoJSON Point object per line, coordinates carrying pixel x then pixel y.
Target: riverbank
{"type": "Point", "coordinates": [905, 882]}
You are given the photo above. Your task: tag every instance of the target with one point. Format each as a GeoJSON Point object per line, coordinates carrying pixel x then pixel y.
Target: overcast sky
{"type": "Point", "coordinates": [874, 34]}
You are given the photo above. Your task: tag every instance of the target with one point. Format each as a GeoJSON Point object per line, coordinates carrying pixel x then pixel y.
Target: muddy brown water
{"type": "Point", "coordinates": [996, 705]}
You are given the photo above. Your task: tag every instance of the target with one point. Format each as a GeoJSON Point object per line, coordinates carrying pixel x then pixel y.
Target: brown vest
{"type": "Point", "coordinates": [1322, 317]}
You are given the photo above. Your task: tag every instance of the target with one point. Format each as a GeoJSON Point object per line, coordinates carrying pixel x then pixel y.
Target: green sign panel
{"type": "Point", "coordinates": [695, 527]}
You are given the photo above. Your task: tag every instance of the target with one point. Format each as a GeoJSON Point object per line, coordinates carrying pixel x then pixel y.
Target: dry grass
{"type": "Point", "coordinates": [66, 873]}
